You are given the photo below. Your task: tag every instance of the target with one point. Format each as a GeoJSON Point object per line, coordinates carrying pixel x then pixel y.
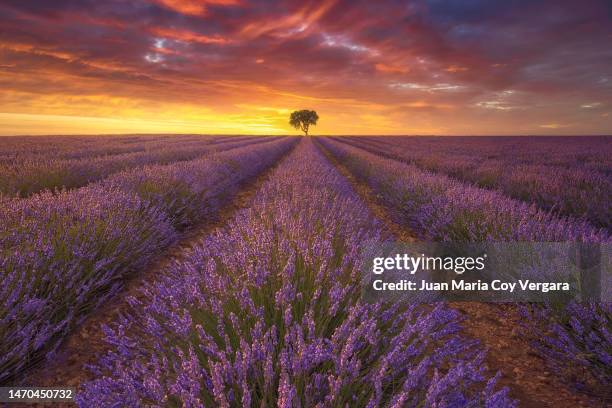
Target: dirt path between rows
{"type": "Point", "coordinates": [82, 347]}
{"type": "Point", "coordinates": [496, 327]}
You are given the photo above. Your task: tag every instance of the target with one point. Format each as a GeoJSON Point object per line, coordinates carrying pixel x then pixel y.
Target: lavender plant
{"type": "Point", "coordinates": [576, 342]}
{"type": "Point", "coordinates": [267, 312]}
{"type": "Point", "coordinates": [63, 254]}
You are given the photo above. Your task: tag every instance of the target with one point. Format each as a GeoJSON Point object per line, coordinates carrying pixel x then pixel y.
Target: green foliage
{"type": "Point", "coordinates": [302, 120]}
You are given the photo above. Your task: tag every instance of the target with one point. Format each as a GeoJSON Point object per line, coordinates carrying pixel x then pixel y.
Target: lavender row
{"type": "Point", "coordinates": [576, 337]}
{"type": "Point", "coordinates": [15, 148]}
{"type": "Point", "coordinates": [77, 147]}
{"type": "Point", "coordinates": [190, 190]}
{"type": "Point", "coordinates": [28, 175]}
{"type": "Point", "coordinates": [591, 152]}
{"type": "Point", "coordinates": [267, 312]}
{"type": "Point", "coordinates": [570, 176]}
{"type": "Point", "coordinates": [440, 208]}
{"type": "Point", "coordinates": [61, 255]}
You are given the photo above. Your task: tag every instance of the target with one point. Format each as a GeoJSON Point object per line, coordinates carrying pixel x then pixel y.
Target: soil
{"type": "Point", "coordinates": [496, 326]}
{"type": "Point", "coordinates": [86, 343]}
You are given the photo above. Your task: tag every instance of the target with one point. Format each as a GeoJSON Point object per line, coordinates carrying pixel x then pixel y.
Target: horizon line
{"type": "Point", "coordinates": [295, 135]}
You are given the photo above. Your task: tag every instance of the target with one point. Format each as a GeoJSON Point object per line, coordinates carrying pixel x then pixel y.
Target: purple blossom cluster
{"type": "Point", "coordinates": [64, 253]}
{"type": "Point", "coordinates": [436, 207]}
{"type": "Point", "coordinates": [576, 342]}
{"type": "Point", "coordinates": [267, 311]}
{"type": "Point", "coordinates": [570, 176]}
{"type": "Point", "coordinates": [23, 173]}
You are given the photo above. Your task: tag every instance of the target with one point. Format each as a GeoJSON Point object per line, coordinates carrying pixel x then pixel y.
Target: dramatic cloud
{"type": "Point", "coordinates": [239, 66]}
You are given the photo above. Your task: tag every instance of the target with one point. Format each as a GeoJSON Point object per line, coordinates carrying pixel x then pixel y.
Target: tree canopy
{"type": "Point", "coordinates": [302, 120]}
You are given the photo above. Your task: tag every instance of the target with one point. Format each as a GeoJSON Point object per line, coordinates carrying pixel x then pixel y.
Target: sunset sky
{"type": "Point", "coordinates": [367, 67]}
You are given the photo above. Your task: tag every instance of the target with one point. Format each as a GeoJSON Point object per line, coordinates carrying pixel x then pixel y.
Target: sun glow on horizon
{"type": "Point", "coordinates": [233, 66]}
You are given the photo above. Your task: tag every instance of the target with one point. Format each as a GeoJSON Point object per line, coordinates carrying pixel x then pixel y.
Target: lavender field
{"type": "Point", "coordinates": [266, 308]}
{"type": "Point", "coordinates": [569, 176]}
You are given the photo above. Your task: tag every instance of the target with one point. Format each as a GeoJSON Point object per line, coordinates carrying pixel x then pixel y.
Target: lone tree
{"type": "Point", "coordinates": [302, 120]}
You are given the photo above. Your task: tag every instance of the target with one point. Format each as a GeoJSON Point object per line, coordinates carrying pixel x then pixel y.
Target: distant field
{"type": "Point", "coordinates": [567, 175]}
{"type": "Point", "coordinates": [266, 308]}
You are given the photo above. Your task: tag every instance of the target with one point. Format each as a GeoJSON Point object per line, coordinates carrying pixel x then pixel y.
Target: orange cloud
{"type": "Point", "coordinates": [194, 7]}
{"type": "Point", "coordinates": [30, 49]}
{"type": "Point", "coordinates": [393, 69]}
{"type": "Point", "coordinates": [455, 68]}
{"type": "Point", "coordinates": [553, 126]}
{"type": "Point", "coordinates": [426, 105]}
{"type": "Point", "coordinates": [295, 23]}
{"type": "Point", "coordinates": [188, 36]}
